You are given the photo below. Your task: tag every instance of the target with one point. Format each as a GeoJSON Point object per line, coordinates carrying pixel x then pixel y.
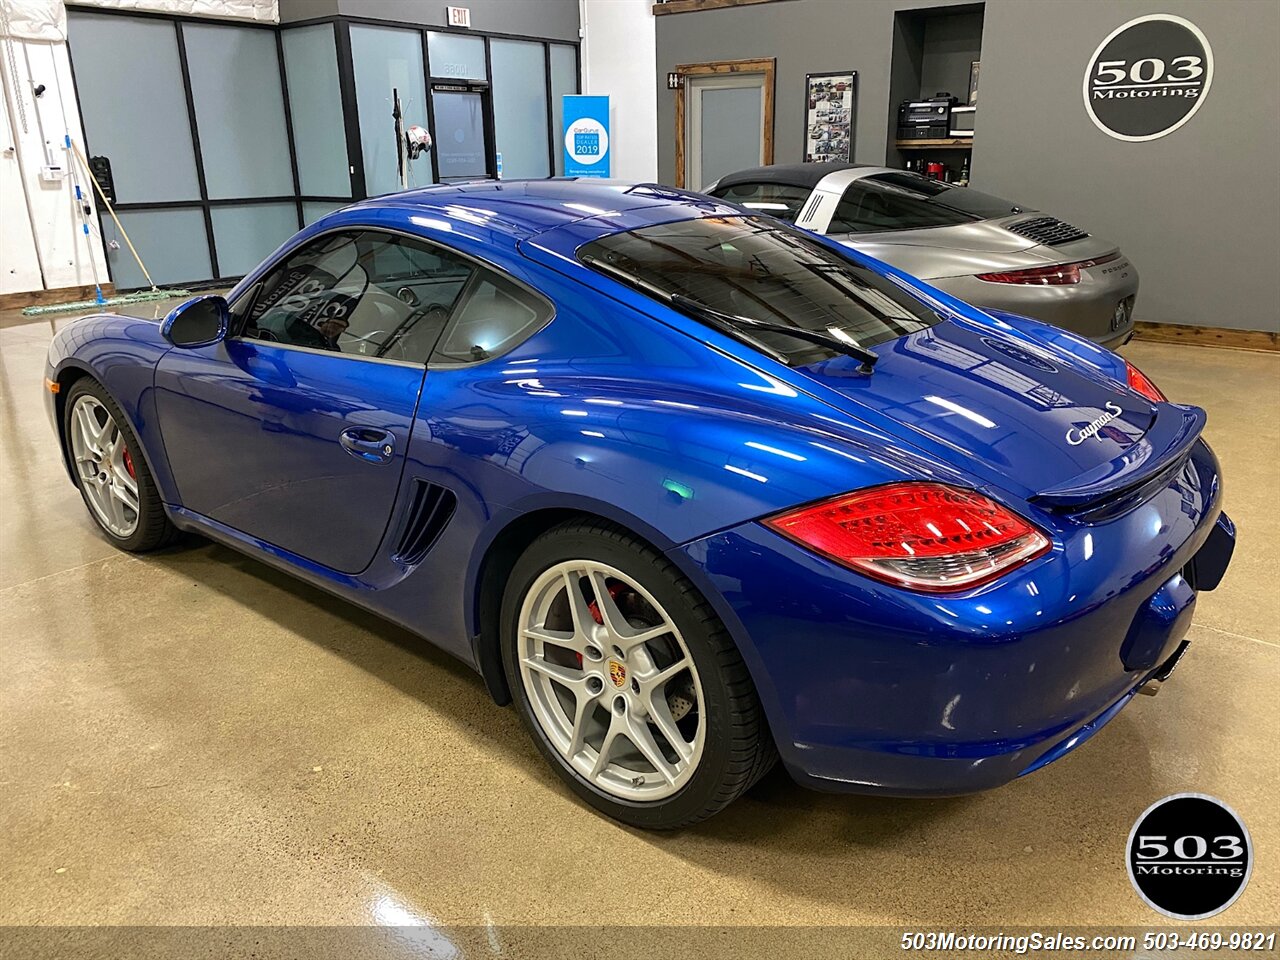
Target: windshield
{"type": "Point", "coordinates": [763, 270]}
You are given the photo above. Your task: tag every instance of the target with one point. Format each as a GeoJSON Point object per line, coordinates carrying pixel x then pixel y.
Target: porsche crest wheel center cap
{"type": "Point", "coordinates": [618, 674]}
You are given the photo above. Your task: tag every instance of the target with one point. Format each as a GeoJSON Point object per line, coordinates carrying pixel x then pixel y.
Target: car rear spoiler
{"type": "Point", "coordinates": [1166, 444]}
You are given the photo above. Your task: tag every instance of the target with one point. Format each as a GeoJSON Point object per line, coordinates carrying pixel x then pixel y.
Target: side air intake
{"type": "Point", "coordinates": [431, 508]}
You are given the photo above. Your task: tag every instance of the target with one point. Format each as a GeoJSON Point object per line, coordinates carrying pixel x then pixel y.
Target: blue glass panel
{"type": "Point", "coordinates": [245, 235]}
{"type": "Point", "coordinates": [456, 56]}
{"type": "Point", "coordinates": [387, 59]}
{"type": "Point", "coordinates": [564, 80]}
{"type": "Point", "coordinates": [520, 108]}
{"type": "Point", "coordinates": [133, 106]}
{"type": "Point", "coordinates": [171, 243]}
{"type": "Point", "coordinates": [315, 103]}
{"type": "Point", "coordinates": [235, 86]}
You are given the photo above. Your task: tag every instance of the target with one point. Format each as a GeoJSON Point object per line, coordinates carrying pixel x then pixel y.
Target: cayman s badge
{"type": "Point", "coordinates": [1076, 437]}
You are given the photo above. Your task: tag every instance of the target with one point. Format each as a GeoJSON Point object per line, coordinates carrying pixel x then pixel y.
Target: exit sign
{"type": "Point", "coordinates": [459, 16]}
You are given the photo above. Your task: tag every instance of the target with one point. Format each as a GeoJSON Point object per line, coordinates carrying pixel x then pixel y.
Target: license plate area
{"type": "Point", "coordinates": [1122, 314]}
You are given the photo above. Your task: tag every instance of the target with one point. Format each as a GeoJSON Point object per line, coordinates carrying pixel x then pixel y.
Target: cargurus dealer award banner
{"type": "Point", "coordinates": [586, 136]}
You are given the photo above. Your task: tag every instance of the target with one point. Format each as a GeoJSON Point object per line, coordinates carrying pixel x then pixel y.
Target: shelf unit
{"type": "Point", "coordinates": [932, 50]}
{"type": "Point", "coordinates": [948, 143]}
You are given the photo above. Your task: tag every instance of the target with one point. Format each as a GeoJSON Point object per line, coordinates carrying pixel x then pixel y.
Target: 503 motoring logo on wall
{"type": "Point", "coordinates": [1148, 77]}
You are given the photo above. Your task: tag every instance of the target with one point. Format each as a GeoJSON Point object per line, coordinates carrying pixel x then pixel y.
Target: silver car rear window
{"type": "Point", "coordinates": [977, 204]}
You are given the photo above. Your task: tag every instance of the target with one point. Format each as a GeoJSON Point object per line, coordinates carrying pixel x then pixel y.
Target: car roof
{"type": "Point", "coordinates": [520, 209]}
{"type": "Point", "coordinates": [793, 174]}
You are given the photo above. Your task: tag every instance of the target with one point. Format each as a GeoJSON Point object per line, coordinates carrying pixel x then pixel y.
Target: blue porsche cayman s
{"type": "Point", "coordinates": [694, 488]}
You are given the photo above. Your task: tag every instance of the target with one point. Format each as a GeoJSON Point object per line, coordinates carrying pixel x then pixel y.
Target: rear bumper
{"type": "Point", "coordinates": [870, 688]}
{"type": "Point", "coordinates": [1087, 308]}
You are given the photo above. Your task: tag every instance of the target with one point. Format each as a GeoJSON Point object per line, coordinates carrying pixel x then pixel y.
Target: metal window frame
{"type": "Point", "coordinates": [341, 24]}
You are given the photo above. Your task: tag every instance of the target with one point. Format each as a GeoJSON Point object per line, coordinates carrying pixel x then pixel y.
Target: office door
{"type": "Point", "coordinates": [724, 119]}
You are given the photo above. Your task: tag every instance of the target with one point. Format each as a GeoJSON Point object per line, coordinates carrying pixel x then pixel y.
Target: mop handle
{"type": "Point", "coordinates": [82, 207]}
{"type": "Point", "coordinates": [119, 226]}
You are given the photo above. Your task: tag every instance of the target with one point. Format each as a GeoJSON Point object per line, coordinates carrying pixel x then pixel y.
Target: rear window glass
{"type": "Point", "coordinates": [752, 267]}
{"type": "Point", "coordinates": [779, 200]}
{"type": "Point", "coordinates": [865, 209]}
{"type": "Point", "coordinates": [965, 200]}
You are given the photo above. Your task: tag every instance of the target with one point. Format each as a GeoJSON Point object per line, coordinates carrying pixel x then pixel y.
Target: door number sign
{"type": "Point", "coordinates": [1148, 77]}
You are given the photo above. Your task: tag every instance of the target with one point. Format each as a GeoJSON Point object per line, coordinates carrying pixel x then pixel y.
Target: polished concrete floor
{"type": "Point", "coordinates": [193, 738]}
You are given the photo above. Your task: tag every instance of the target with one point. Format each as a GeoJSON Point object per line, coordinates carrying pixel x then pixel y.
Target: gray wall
{"type": "Point", "coordinates": [951, 44]}
{"type": "Point", "coordinates": [544, 19]}
{"type": "Point", "coordinates": [805, 36]}
{"type": "Point", "coordinates": [1197, 210]}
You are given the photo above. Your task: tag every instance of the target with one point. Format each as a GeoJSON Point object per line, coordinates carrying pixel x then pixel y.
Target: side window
{"type": "Point", "coordinates": [870, 209]}
{"type": "Point", "coordinates": [494, 315]}
{"type": "Point", "coordinates": [848, 216]}
{"type": "Point", "coordinates": [774, 199]}
{"type": "Point", "coordinates": [362, 293]}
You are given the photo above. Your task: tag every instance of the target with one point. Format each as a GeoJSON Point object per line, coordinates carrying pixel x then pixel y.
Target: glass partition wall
{"type": "Point", "coordinates": [224, 139]}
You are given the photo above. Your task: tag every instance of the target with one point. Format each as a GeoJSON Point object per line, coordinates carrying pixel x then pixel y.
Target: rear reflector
{"type": "Point", "coordinates": [1059, 274]}
{"type": "Point", "coordinates": [923, 536]}
{"type": "Point", "coordinates": [1141, 383]}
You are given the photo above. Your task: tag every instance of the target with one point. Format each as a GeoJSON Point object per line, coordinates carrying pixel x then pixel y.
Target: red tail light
{"type": "Point", "coordinates": [924, 536]}
{"type": "Point", "coordinates": [1141, 383]}
{"type": "Point", "coordinates": [1060, 274]}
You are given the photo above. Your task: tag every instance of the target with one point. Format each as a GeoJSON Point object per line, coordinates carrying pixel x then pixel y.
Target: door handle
{"type": "Point", "coordinates": [369, 443]}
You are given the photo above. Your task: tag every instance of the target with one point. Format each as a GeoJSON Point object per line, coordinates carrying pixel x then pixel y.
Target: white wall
{"type": "Point", "coordinates": [619, 59]}
{"type": "Point", "coordinates": [19, 268]}
{"type": "Point", "coordinates": [40, 229]}
{"type": "Point", "coordinates": [42, 240]}
{"type": "Point", "coordinates": [261, 11]}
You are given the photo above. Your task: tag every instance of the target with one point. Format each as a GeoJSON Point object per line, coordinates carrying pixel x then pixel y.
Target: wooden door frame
{"type": "Point", "coordinates": [767, 66]}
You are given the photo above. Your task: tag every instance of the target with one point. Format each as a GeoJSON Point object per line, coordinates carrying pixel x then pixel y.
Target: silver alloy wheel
{"type": "Point", "coordinates": [616, 693]}
{"type": "Point", "coordinates": [103, 466]}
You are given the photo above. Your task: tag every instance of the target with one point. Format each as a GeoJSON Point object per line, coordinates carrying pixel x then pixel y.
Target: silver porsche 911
{"type": "Point", "coordinates": [982, 249]}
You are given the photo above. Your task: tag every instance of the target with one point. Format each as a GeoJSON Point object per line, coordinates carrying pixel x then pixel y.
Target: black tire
{"type": "Point", "coordinates": [738, 749]}
{"type": "Point", "coordinates": [153, 530]}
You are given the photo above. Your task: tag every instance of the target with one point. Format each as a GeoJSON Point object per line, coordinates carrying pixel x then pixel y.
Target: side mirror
{"type": "Point", "coordinates": [197, 323]}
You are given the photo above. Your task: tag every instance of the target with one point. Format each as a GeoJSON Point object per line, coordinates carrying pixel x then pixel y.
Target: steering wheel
{"type": "Point", "coordinates": [435, 312]}
{"type": "Point", "coordinates": [432, 317]}
{"type": "Point", "coordinates": [373, 336]}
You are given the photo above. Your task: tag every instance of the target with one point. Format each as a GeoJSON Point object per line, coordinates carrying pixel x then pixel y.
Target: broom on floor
{"type": "Point", "coordinates": [155, 293]}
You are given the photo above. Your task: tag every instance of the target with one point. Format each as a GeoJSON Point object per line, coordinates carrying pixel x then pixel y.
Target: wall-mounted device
{"type": "Point", "coordinates": [53, 170]}
{"type": "Point", "coordinates": [962, 121]}
{"type": "Point", "coordinates": [925, 119]}
{"type": "Point", "coordinates": [100, 168]}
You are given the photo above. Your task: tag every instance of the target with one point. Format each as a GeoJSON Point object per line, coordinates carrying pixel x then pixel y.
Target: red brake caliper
{"type": "Point", "coordinates": [594, 607]}
{"type": "Point", "coordinates": [128, 463]}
